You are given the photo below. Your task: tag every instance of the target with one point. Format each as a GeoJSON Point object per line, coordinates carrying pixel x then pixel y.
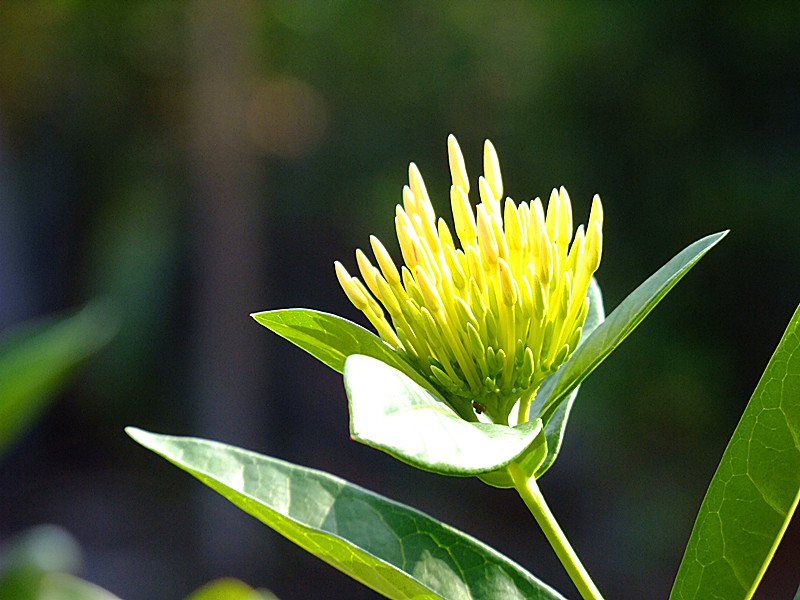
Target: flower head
{"type": "Point", "coordinates": [488, 319]}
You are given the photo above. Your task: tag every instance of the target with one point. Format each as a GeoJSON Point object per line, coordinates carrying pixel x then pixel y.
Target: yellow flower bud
{"type": "Point", "coordinates": [409, 202]}
{"type": "Point", "coordinates": [487, 196]}
{"type": "Point", "coordinates": [385, 261]}
{"type": "Point", "coordinates": [563, 224]}
{"type": "Point", "coordinates": [488, 243]}
{"type": "Point", "coordinates": [596, 213]}
{"type": "Point", "coordinates": [485, 323]}
{"type": "Point", "coordinates": [419, 191]}
{"type": "Point", "coordinates": [429, 293]}
{"type": "Point", "coordinates": [594, 246]}
{"type": "Point", "coordinates": [458, 171]}
{"type": "Point", "coordinates": [387, 298]}
{"type": "Point", "coordinates": [491, 170]}
{"type": "Point", "coordinates": [367, 271]}
{"type": "Point", "coordinates": [513, 226]}
{"type": "Point", "coordinates": [351, 291]}
{"type": "Point", "coordinates": [445, 237]}
{"type": "Point", "coordinates": [463, 216]}
{"type": "Point", "coordinates": [507, 288]}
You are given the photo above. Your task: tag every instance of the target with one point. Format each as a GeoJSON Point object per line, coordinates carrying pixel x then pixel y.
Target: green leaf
{"type": "Point", "coordinates": [621, 322]}
{"type": "Point", "coordinates": [36, 359]}
{"type": "Point", "coordinates": [61, 586]}
{"type": "Point", "coordinates": [34, 566]}
{"type": "Point", "coordinates": [332, 339]}
{"type": "Point", "coordinates": [390, 412]}
{"type": "Point", "coordinates": [394, 549]}
{"type": "Point", "coordinates": [755, 490]}
{"type": "Point", "coordinates": [556, 425]}
{"type": "Point", "coordinates": [229, 589]}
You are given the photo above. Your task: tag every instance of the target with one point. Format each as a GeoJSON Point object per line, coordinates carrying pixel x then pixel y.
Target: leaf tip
{"type": "Point", "coordinates": [139, 435]}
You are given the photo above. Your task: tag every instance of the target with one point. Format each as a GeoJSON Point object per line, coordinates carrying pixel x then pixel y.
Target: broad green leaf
{"type": "Point", "coordinates": [797, 594]}
{"type": "Point", "coordinates": [35, 360]}
{"type": "Point", "coordinates": [755, 490]}
{"type": "Point", "coordinates": [621, 322]}
{"type": "Point", "coordinates": [390, 412]}
{"type": "Point", "coordinates": [394, 549]}
{"type": "Point", "coordinates": [332, 339]}
{"type": "Point", "coordinates": [556, 425]}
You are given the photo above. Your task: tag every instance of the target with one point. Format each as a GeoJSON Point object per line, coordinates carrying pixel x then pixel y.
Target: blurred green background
{"type": "Point", "coordinates": [193, 162]}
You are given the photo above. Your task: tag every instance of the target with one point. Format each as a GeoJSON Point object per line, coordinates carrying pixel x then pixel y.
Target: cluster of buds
{"type": "Point", "coordinates": [488, 321]}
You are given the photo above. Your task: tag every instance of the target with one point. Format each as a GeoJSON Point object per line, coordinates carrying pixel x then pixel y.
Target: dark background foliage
{"type": "Point", "coordinates": [198, 161]}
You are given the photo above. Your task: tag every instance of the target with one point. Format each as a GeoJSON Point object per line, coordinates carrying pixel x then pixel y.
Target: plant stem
{"type": "Point", "coordinates": [523, 413]}
{"type": "Point", "coordinates": [532, 496]}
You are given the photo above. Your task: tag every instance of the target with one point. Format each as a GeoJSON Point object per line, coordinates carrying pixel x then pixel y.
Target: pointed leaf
{"type": "Point", "coordinates": [755, 490]}
{"type": "Point", "coordinates": [555, 427]}
{"type": "Point", "coordinates": [332, 339]}
{"type": "Point", "coordinates": [621, 322]}
{"type": "Point", "coordinates": [390, 412]}
{"type": "Point", "coordinates": [36, 359]}
{"type": "Point", "coordinates": [394, 549]}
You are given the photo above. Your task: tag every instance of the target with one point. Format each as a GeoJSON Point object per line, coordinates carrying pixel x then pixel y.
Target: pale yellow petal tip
{"type": "Point", "coordinates": [458, 171]}
{"type": "Point", "coordinates": [351, 290]}
{"type": "Point", "coordinates": [491, 169]}
{"type": "Point", "coordinates": [385, 262]}
{"type": "Point", "coordinates": [596, 213]}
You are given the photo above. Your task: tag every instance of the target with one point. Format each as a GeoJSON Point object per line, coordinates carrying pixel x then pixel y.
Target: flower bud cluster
{"type": "Point", "coordinates": [488, 319]}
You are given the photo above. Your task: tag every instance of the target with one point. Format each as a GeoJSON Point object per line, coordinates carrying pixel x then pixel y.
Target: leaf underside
{"type": "Point", "coordinates": [754, 491]}
{"type": "Point", "coordinates": [394, 549]}
{"type": "Point", "coordinates": [390, 412]}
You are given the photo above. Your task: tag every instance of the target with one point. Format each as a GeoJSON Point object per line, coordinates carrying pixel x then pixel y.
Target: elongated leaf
{"type": "Point", "coordinates": [556, 425]}
{"type": "Point", "coordinates": [332, 339]}
{"type": "Point", "coordinates": [621, 322]}
{"type": "Point", "coordinates": [390, 412]}
{"type": "Point", "coordinates": [394, 549]}
{"type": "Point", "coordinates": [755, 490]}
{"type": "Point", "coordinates": [36, 358]}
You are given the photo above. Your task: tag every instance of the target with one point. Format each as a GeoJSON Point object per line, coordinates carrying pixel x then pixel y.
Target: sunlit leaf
{"type": "Point", "coordinates": [332, 339]}
{"type": "Point", "coordinates": [390, 412]}
{"type": "Point", "coordinates": [755, 490]}
{"type": "Point", "coordinates": [620, 323]}
{"type": "Point", "coordinates": [396, 550]}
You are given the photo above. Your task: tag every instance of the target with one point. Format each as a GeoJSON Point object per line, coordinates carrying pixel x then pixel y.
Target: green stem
{"type": "Point", "coordinates": [530, 494]}
{"type": "Point", "coordinates": [523, 413]}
